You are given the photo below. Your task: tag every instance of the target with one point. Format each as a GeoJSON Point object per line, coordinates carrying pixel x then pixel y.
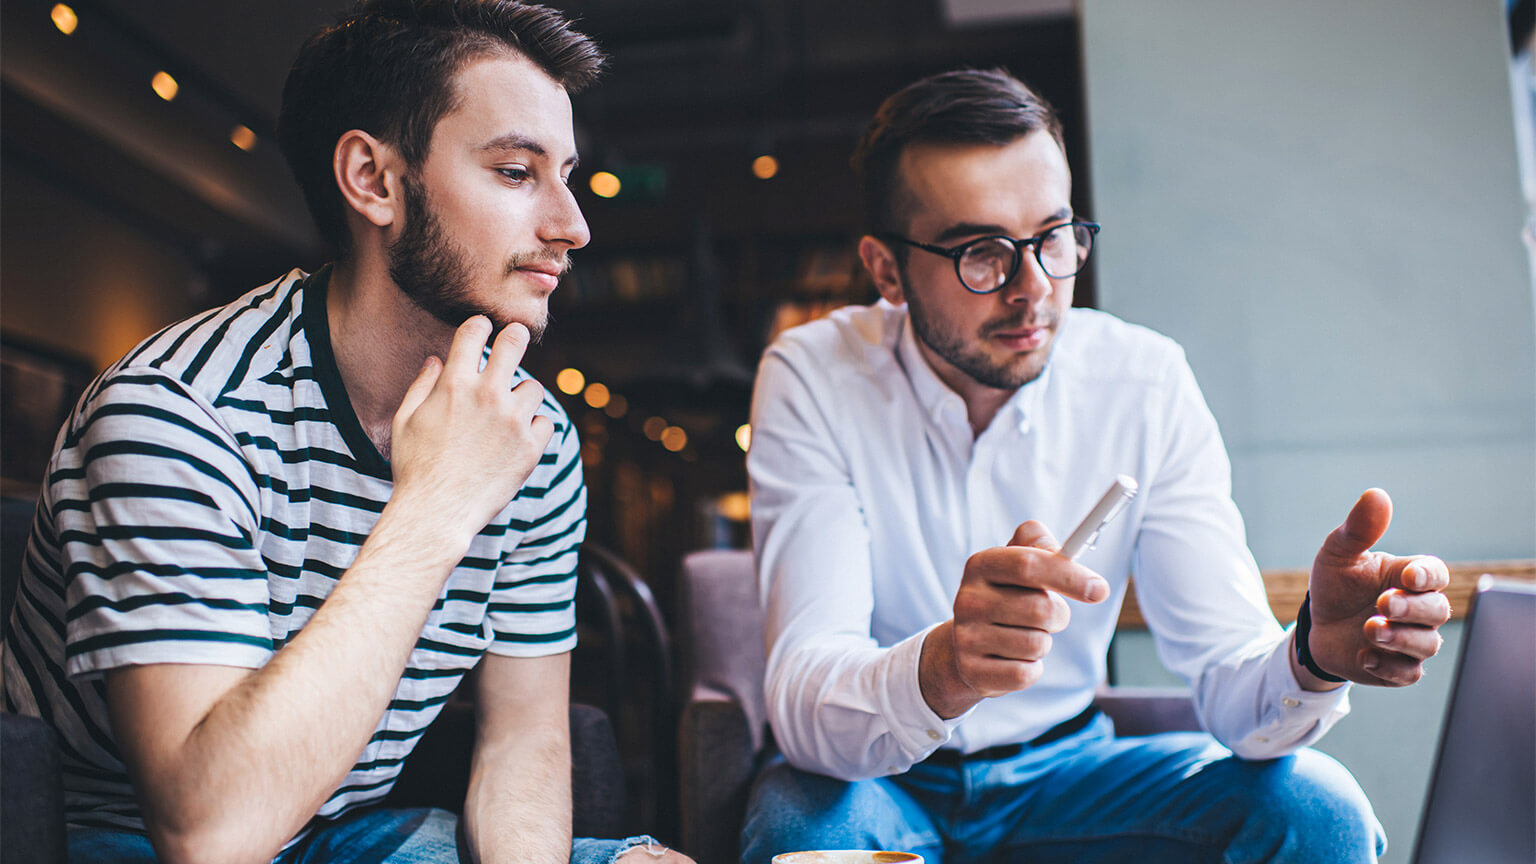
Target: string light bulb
{"type": "Point", "coordinates": [570, 381]}
{"type": "Point", "coordinates": [164, 86]}
{"type": "Point", "coordinates": [674, 438]}
{"type": "Point", "coordinates": [241, 136]}
{"type": "Point", "coordinates": [605, 184]}
{"type": "Point", "coordinates": [596, 394]}
{"type": "Point", "coordinates": [765, 167]}
{"type": "Point", "coordinates": [64, 18]}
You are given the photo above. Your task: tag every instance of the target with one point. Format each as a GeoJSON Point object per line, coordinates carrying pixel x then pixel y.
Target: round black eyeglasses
{"type": "Point", "coordinates": [988, 263]}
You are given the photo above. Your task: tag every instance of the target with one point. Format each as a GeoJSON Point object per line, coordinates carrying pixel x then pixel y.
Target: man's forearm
{"type": "Point", "coordinates": [519, 803]}
{"type": "Point", "coordinates": [246, 766]}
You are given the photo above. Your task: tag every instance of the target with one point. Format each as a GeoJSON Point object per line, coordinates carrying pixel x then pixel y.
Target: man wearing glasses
{"type": "Point", "coordinates": [931, 689]}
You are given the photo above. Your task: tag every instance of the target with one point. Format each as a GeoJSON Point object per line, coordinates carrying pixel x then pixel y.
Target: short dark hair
{"type": "Point", "coordinates": [964, 106]}
{"type": "Point", "coordinates": [387, 67]}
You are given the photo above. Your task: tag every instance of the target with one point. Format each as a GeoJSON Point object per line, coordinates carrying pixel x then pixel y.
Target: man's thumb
{"type": "Point", "coordinates": [1366, 523]}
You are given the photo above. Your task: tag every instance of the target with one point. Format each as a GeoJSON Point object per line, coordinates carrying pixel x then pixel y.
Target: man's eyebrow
{"type": "Point", "coordinates": [515, 141]}
{"type": "Point", "coordinates": [1062, 215]}
{"type": "Point", "coordinates": [975, 229]}
{"type": "Point", "coordinates": [967, 229]}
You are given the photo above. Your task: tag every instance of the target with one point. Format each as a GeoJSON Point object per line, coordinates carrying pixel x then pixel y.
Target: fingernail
{"type": "Point", "coordinates": [1397, 606]}
{"type": "Point", "coordinates": [1372, 664]}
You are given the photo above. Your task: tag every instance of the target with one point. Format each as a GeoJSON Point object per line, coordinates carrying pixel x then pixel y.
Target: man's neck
{"type": "Point", "coordinates": [380, 341]}
{"type": "Point", "coordinates": [981, 402]}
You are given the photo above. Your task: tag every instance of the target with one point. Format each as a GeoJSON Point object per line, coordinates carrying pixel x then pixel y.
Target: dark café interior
{"type": "Point", "coordinates": [140, 183]}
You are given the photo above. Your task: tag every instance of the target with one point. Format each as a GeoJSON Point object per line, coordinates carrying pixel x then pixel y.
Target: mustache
{"type": "Point", "coordinates": [519, 260]}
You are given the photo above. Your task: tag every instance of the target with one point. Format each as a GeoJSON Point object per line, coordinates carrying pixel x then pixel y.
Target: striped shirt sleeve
{"type": "Point", "coordinates": [157, 518]}
{"type": "Point", "coordinates": [532, 611]}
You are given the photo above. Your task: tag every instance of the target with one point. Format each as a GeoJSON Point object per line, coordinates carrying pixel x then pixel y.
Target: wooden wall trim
{"type": "Point", "coordinates": [1287, 588]}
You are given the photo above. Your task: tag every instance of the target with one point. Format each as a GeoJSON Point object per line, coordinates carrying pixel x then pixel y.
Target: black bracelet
{"type": "Point", "coordinates": [1303, 650]}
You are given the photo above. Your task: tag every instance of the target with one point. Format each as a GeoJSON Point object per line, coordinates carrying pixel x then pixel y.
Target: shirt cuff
{"type": "Point", "coordinates": [1291, 717]}
{"type": "Point", "coordinates": [916, 726]}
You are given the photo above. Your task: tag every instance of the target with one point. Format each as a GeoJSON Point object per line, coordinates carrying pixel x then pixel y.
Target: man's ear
{"type": "Point", "coordinates": [880, 261]}
{"type": "Point", "coordinates": [368, 175]}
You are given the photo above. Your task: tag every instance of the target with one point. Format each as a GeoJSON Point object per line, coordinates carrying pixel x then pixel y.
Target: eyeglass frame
{"type": "Point", "coordinates": [955, 253]}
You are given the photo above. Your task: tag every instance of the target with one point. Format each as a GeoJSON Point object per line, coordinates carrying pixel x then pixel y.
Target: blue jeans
{"type": "Point", "coordinates": [1089, 797]}
{"type": "Point", "coordinates": [418, 836]}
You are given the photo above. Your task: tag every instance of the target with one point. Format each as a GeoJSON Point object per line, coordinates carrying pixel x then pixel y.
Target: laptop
{"type": "Point", "coordinates": [1482, 798]}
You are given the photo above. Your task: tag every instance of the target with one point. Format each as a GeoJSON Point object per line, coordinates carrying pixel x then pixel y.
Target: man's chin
{"type": "Point", "coordinates": [536, 325]}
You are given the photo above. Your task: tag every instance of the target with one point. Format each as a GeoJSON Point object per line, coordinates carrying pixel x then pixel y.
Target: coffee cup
{"type": "Point", "coordinates": [847, 856]}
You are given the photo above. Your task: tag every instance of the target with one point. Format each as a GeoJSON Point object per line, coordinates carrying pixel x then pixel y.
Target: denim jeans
{"type": "Point", "coordinates": [1089, 797]}
{"type": "Point", "coordinates": [417, 836]}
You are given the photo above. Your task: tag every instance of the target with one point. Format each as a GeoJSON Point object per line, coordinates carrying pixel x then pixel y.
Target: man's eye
{"type": "Point", "coordinates": [1056, 236]}
{"type": "Point", "coordinates": [516, 174]}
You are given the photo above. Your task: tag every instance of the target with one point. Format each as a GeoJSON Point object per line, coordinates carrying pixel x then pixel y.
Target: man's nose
{"type": "Point", "coordinates": [1029, 284]}
{"type": "Point", "coordinates": [562, 223]}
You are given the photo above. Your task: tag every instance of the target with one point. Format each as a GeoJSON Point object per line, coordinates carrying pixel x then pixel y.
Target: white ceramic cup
{"type": "Point", "coordinates": [847, 856]}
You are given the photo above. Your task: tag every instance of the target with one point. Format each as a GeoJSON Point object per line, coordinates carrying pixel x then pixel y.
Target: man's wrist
{"type": "Point", "coordinates": [938, 676]}
{"type": "Point", "coordinates": [1304, 644]}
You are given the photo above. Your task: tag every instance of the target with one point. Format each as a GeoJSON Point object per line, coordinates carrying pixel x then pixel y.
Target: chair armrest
{"type": "Point", "coordinates": [597, 775]}
{"type": "Point", "coordinates": [716, 766]}
{"type": "Point", "coordinates": [1148, 710]}
{"type": "Point", "coordinates": [31, 790]}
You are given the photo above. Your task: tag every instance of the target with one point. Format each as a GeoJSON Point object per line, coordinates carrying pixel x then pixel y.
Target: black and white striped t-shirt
{"type": "Point", "coordinates": [203, 499]}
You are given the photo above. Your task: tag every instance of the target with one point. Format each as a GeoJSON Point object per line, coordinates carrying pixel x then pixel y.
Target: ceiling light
{"type": "Point", "coordinates": [64, 18]}
{"type": "Point", "coordinates": [764, 167]}
{"type": "Point", "coordinates": [164, 85]}
{"type": "Point", "coordinates": [744, 436]}
{"type": "Point", "coordinates": [653, 428]}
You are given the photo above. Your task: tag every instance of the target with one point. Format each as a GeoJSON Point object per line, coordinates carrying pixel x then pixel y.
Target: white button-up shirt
{"type": "Point", "coordinates": [869, 492]}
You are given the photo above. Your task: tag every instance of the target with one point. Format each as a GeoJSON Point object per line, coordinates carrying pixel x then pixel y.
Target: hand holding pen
{"type": "Point", "coordinates": [1010, 601]}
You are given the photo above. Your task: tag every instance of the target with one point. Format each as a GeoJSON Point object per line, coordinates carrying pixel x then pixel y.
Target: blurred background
{"type": "Point", "coordinates": [1324, 202]}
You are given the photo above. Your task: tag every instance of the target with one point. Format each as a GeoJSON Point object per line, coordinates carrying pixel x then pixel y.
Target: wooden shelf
{"type": "Point", "coordinates": [1287, 588]}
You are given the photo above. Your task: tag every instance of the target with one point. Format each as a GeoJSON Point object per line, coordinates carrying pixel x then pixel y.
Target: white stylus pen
{"type": "Point", "coordinates": [1119, 495]}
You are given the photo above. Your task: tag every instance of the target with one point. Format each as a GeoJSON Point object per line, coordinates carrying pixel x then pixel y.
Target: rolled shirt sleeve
{"type": "Point", "coordinates": [1203, 597]}
{"type": "Point", "coordinates": [532, 612]}
{"type": "Point", "coordinates": [158, 523]}
{"type": "Point", "coordinates": [840, 703]}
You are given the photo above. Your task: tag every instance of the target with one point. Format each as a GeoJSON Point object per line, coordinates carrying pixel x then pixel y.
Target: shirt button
{"type": "Point", "coordinates": [1290, 702]}
{"type": "Point", "coordinates": [933, 735]}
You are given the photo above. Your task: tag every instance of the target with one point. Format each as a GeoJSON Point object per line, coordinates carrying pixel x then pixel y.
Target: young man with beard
{"type": "Point", "coordinates": [931, 689]}
{"type": "Point", "coordinates": [274, 537]}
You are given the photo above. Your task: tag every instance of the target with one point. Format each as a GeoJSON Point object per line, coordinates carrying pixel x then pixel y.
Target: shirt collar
{"type": "Point", "coordinates": [936, 397]}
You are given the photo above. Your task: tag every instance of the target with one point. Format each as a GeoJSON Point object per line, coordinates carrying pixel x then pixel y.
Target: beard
{"type": "Point", "coordinates": [434, 272]}
{"type": "Point", "coordinates": [968, 354]}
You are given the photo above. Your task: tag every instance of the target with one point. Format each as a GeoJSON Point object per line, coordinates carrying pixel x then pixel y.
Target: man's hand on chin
{"type": "Point", "coordinates": [1375, 616]}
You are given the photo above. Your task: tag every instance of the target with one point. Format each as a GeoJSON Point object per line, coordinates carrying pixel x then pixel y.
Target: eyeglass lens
{"type": "Point", "coordinates": [990, 263]}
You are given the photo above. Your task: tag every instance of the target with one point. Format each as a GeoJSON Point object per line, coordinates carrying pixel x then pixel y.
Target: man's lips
{"type": "Point", "coordinates": [1022, 338]}
{"type": "Point", "coordinates": [546, 274]}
